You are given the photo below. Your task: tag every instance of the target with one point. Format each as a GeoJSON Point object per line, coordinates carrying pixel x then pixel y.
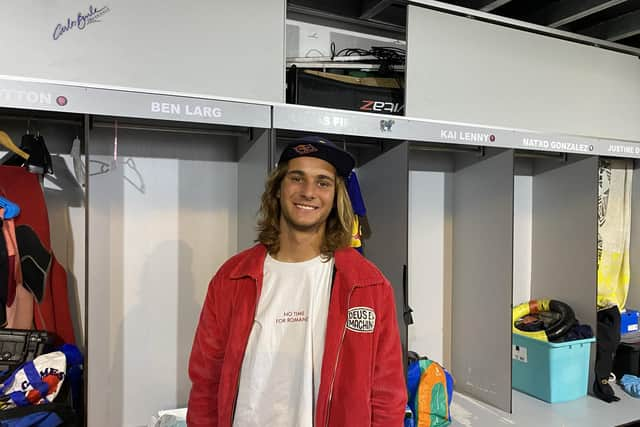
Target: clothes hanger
{"type": "Point", "coordinates": [78, 165]}
{"type": "Point", "coordinates": [114, 160]}
{"type": "Point", "coordinates": [5, 141]}
{"type": "Point", "coordinates": [38, 158]}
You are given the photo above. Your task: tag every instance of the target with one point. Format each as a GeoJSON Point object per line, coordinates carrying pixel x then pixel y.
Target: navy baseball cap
{"type": "Point", "coordinates": [321, 148]}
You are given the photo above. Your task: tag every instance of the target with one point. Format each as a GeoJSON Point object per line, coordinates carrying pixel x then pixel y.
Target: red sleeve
{"type": "Point", "coordinates": [61, 309]}
{"type": "Point", "coordinates": [389, 394]}
{"type": "Point", "coordinates": [205, 363]}
{"type": "Point", "coordinates": [53, 313]}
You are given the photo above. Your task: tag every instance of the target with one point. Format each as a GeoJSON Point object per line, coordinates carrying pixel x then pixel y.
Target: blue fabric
{"type": "Point", "coordinates": [37, 419]}
{"type": "Point", "coordinates": [7, 383]}
{"type": "Point", "coordinates": [631, 384]}
{"type": "Point", "coordinates": [414, 373]}
{"type": "Point", "coordinates": [11, 210]}
{"type": "Point", "coordinates": [353, 188]}
{"type": "Point", "coordinates": [72, 354]}
{"type": "Point", "coordinates": [408, 418]}
{"type": "Point", "coordinates": [75, 362]}
{"type": "Point", "coordinates": [36, 380]}
{"type": "Point", "coordinates": [449, 388]}
{"type": "Point", "coordinates": [19, 397]}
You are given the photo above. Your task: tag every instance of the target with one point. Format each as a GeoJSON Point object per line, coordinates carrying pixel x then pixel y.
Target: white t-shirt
{"type": "Point", "coordinates": [280, 373]}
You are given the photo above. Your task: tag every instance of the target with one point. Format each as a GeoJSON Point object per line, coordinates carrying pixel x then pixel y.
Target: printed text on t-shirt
{"type": "Point", "coordinates": [292, 316]}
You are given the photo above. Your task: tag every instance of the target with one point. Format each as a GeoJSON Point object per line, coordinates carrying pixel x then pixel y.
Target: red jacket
{"type": "Point", "coordinates": [52, 312]}
{"type": "Point", "coordinates": [362, 381]}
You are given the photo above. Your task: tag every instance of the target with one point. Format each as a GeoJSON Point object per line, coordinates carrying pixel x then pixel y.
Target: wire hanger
{"type": "Point", "coordinates": [7, 142]}
{"type": "Point", "coordinates": [114, 160]}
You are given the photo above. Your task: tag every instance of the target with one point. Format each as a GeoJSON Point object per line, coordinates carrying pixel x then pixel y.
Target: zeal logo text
{"type": "Point", "coordinates": [381, 106]}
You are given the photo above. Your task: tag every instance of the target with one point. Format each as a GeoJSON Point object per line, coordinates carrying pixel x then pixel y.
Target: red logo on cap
{"type": "Point", "coordinates": [304, 149]}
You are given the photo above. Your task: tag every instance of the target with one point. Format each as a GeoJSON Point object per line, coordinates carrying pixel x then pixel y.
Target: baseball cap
{"type": "Point", "coordinates": [321, 148]}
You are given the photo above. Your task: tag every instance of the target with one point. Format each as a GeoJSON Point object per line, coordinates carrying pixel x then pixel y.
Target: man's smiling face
{"type": "Point", "coordinates": [307, 193]}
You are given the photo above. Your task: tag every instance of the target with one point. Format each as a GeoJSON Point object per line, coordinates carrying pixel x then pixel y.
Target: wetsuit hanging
{"type": "Point", "coordinates": [24, 189]}
{"type": "Point", "coordinates": [608, 338]}
{"type": "Point", "coordinates": [19, 305]}
{"type": "Point", "coordinates": [35, 261]}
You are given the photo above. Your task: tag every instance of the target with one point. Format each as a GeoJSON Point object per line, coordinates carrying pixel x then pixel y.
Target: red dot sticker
{"type": "Point", "coordinates": [492, 138]}
{"type": "Point", "coordinates": [61, 101]}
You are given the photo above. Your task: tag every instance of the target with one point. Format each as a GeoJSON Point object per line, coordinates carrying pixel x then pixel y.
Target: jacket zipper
{"type": "Point", "coordinates": [235, 399]}
{"type": "Point", "coordinates": [335, 366]}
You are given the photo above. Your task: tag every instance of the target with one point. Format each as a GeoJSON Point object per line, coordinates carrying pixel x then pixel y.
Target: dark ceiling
{"type": "Point", "coordinates": [613, 21]}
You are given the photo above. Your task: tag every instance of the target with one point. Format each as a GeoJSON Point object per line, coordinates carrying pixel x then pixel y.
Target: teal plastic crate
{"type": "Point", "coordinates": [553, 372]}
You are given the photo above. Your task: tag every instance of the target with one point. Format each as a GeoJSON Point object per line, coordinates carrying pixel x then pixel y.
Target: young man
{"type": "Point", "coordinates": [300, 330]}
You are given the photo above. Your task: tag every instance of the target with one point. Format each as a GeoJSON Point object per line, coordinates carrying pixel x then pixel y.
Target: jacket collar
{"type": "Point", "coordinates": [348, 263]}
{"type": "Point", "coordinates": [251, 264]}
{"type": "Point", "coordinates": [356, 269]}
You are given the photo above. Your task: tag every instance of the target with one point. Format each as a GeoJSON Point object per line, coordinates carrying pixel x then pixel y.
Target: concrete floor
{"type": "Point", "coordinates": [531, 412]}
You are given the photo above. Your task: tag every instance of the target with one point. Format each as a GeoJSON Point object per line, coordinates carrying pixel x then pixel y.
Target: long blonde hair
{"type": "Point", "coordinates": [339, 223]}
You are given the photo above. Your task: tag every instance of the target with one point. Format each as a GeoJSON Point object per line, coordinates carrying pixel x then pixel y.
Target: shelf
{"type": "Point", "coordinates": [117, 102]}
{"type": "Point", "coordinates": [332, 121]}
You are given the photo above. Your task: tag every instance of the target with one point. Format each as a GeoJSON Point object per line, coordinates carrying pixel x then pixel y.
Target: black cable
{"type": "Point", "coordinates": [353, 51]}
{"type": "Point", "coordinates": [385, 56]}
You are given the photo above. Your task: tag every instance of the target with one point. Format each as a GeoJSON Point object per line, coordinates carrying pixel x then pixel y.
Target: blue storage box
{"type": "Point", "coordinates": [629, 321]}
{"type": "Point", "coordinates": [553, 372]}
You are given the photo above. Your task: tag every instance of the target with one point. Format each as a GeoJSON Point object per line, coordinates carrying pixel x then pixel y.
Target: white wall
{"type": "Point", "coordinates": [428, 263]}
{"type": "Point", "coordinates": [306, 40]}
{"type": "Point", "coordinates": [206, 47]}
{"type": "Point", "coordinates": [470, 71]}
{"type": "Point", "coordinates": [522, 237]}
{"type": "Point", "coordinates": [161, 224]}
{"type": "Point", "coordinates": [65, 205]}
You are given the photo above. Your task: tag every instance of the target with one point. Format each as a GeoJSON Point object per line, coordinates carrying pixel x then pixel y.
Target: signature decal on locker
{"type": "Point", "coordinates": [361, 319]}
{"type": "Point", "coordinates": [80, 21]}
